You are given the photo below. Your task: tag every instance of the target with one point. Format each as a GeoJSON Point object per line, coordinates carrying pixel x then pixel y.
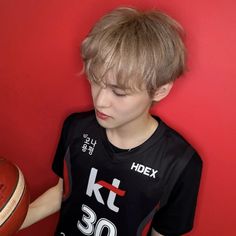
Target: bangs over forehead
{"type": "Point", "coordinates": [136, 48]}
{"type": "Point", "coordinates": [115, 52]}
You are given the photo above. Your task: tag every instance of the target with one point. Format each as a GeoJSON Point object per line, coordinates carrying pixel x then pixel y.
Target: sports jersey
{"type": "Point", "coordinates": [109, 193]}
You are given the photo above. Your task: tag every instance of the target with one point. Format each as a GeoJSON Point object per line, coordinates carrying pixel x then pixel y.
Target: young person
{"type": "Point", "coordinates": [123, 171]}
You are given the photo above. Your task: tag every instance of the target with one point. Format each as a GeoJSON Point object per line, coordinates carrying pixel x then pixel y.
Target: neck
{"type": "Point", "coordinates": [134, 134]}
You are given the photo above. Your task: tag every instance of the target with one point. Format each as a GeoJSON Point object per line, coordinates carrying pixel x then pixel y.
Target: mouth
{"type": "Point", "coordinates": [101, 115]}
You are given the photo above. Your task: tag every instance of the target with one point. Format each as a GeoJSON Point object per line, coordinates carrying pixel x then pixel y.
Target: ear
{"type": "Point", "coordinates": [162, 92]}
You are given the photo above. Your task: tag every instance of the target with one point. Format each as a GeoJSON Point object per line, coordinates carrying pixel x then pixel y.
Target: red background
{"type": "Point", "coordinates": [40, 86]}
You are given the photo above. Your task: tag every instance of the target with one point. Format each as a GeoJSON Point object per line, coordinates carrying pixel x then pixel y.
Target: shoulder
{"type": "Point", "coordinates": [75, 123]}
{"type": "Point", "coordinates": [79, 118]}
{"type": "Point", "coordinates": [175, 144]}
{"type": "Point", "coordinates": [180, 163]}
{"type": "Point", "coordinates": [193, 169]}
{"type": "Point", "coordinates": [196, 161]}
{"type": "Point", "coordinates": [179, 156]}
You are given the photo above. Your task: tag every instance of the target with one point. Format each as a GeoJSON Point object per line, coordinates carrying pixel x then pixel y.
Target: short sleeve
{"type": "Point", "coordinates": [177, 216]}
{"type": "Point", "coordinates": [57, 165]}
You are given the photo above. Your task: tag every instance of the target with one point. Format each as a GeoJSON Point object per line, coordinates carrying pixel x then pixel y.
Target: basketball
{"type": "Point", "coordinates": [14, 198]}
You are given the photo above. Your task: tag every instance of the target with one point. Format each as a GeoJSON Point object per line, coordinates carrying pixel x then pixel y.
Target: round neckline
{"type": "Point", "coordinates": [116, 149]}
{"type": "Point", "coordinates": [119, 156]}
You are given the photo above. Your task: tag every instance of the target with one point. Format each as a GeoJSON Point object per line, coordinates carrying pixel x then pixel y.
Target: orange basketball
{"type": "Point", "coordinates": [14, 198]}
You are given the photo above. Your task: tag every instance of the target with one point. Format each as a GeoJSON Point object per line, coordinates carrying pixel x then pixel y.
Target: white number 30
{"type": "Point", "coordinates": [90, 227]}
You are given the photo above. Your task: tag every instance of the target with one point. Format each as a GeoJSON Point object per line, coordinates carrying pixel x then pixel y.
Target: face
{"type": "Point", "coordinates": [117, 108]}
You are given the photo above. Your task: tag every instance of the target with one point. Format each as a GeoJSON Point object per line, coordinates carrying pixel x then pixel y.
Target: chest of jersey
{"type": "Point", "coordinates": [120, 190]}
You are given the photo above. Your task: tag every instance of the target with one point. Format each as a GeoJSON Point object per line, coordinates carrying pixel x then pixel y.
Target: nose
{"type": "Point", "coordinates": [102, 98]}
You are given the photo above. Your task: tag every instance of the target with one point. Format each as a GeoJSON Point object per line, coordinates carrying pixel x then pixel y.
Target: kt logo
{"type": "Point", "coordinates": [94, 187]}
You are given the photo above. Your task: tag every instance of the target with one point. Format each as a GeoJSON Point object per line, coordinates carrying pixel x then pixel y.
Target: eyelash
{"type": "Point", "coordinates": [119, 94]}
{"type": "Point", "coordinates": [95, 83]}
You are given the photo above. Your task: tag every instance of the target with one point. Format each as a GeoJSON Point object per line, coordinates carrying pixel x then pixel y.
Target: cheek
{"type": "Point", "coordinates": [128, 107]}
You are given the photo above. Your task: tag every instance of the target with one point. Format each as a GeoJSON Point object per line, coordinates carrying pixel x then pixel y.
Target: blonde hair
{"type": "Point", "coordinates": [138, 48]}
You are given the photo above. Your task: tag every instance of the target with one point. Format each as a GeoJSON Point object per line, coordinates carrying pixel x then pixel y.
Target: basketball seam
{"type": "Point", "coordinates": [15, 207]}
{"type": "Point", "coordinates": [9, 198]}
{"type": "Point", "coordinates": [21, 196]}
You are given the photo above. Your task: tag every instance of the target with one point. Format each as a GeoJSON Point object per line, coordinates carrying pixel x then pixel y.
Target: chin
{"type": "Point", "coordinates": [106, 125]}
{"type": "Point", "coordinates": [102, 123]}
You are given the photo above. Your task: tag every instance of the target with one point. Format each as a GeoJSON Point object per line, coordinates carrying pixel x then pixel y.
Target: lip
{"type": "Point", "coordinates": [101, 115]}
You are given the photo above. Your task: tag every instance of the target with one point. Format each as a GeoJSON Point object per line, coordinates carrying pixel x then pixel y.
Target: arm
{"type": "Point", "coordinates": [45, 205]}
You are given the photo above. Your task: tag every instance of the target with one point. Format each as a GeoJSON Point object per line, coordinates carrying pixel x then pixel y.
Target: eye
{"type": "Point", "coordinates": [119, 93]}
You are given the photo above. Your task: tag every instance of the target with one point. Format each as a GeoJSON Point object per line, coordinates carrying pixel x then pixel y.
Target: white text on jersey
{"type": "Point", "coordinates": [89, 144]}
{"type": "Point", "coordinates": [93, 187]}
{"type": "Point", "coordinates": [148, 171]}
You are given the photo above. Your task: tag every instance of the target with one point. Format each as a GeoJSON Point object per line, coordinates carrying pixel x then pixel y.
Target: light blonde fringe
{"type": "Point", "coordinates": [138, 48]}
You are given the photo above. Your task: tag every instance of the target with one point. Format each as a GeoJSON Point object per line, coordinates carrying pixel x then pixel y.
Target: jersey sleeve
{"type": "Point", "coordinates": [57, 165]}
{"type": "Point", "coordinates": [177, 216]}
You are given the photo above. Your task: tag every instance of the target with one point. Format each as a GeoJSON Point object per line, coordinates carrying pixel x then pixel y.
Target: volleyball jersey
{"type": "Point", "coordinates": [109, 193]}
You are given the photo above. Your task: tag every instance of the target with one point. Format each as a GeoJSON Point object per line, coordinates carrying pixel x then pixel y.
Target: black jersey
{"type": "Point", "coordinates": [109, 193]}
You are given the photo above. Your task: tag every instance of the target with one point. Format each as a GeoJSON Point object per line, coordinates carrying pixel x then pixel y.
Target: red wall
{"type": "Point", "coordinates": [40, 86]}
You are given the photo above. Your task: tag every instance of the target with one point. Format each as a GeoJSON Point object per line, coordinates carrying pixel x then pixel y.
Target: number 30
{"type": "Point", "coordinates": [89, 219]}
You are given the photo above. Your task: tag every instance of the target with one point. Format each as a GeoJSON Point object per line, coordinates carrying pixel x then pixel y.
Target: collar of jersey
{"type": "Point", "coordinates": [122, 156]}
